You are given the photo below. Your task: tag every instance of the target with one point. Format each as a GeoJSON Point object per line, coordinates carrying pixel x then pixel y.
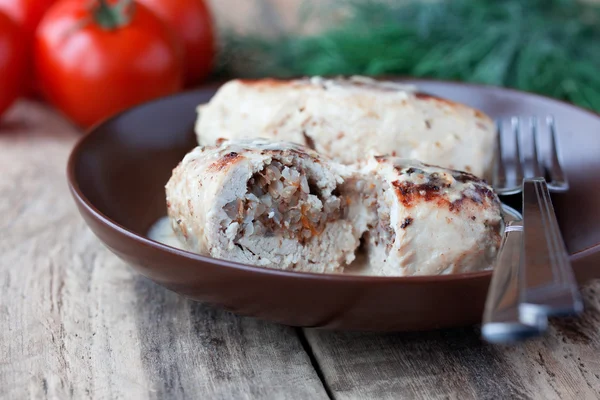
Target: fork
{"type": "Point", "coordinates": [532, 279]}
{"type": "Point", "coordinates": [504, 186]}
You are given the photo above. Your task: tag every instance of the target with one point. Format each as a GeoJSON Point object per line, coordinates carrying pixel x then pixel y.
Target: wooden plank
{"type": "Point", "coordinates": [457, 364]}
{"type": "Point", "coordinates": [75, 322]}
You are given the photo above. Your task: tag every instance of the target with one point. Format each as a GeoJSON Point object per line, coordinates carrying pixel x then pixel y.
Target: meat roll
{"type": "Point", "coordinates": [273, 204]}
{"type": "Point", "coordinates": [345, 118]}
{"type": "Point", "coordinates": [429, 220]}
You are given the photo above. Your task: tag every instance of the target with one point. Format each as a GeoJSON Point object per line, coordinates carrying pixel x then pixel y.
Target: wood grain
{"type": "Point", "coordinates": [76, 322]}
{"type": "Point", "coordinates": [456, 364]}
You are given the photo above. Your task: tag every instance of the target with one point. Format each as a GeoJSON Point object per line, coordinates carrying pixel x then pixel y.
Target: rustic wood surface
{"type": "Point", "coordinates": [76, 322]}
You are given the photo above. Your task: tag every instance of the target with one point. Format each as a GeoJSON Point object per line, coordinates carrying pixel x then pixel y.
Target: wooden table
{"type": "Point", "coordinates": [76, 322]}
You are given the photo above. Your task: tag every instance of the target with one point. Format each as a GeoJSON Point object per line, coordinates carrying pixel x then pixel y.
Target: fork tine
{"type": "Point", "coordinates": [537, 171]}
{"type": "Point", "coordinates": [499, 178]}
{"type": "Point", "coordinates": [558, 179]}
{"type": "Point", "coordinates": [516, 131]}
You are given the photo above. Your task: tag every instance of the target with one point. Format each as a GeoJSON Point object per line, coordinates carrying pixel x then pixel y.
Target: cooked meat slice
{"type": "Point", "coordinates": [346, 118]}
{"type": "Point", "coordinates": [430, 220]}
{"type": "Point", "coordinates": [266, 203]}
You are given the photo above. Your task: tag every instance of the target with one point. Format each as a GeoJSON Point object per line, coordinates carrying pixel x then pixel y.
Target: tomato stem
{"type": "Point", "coordinates": [113, 16]}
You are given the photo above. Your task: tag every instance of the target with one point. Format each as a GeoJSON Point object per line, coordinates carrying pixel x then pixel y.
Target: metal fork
{"type": "Point", "coordinates": [530, 166]}
{"type": "Point", "coordinates": [532, 279]}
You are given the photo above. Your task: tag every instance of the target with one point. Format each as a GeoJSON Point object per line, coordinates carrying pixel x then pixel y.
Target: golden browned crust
{"type": "Point", "coordinates": [432, 190]}
{"type": "Point", "coordinates": [223, 162]}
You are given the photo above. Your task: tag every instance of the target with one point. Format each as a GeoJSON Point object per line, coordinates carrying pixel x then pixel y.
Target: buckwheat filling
{"type": "Point", "coordinates": [283, 201]}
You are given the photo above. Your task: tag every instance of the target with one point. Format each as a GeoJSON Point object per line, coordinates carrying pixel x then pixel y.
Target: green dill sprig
{"type": "Point", "coordinates": [551, 47]}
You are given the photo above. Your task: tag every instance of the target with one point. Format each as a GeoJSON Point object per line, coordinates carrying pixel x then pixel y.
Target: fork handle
{"type": "Point", "coordinates": [549, 287]}
{"type": "Point", "coordinates": [501, 318]}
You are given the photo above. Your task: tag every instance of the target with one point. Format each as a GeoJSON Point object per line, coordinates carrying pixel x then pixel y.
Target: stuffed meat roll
{"type": "Point", "coordinates": [345, 118]}
{"type": "Point", "coordinates": [429, 220]}
{"type": "Point", "coordinates": [273, 204]}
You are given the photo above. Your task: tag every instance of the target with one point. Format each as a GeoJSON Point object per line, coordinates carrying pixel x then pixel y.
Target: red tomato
{"type": "Point", "coordinates": [13, 61]}
{"type": "Point", "coordinates": [26, 13]}
{"type": "Point", "coordinates": [94, 60]}
{"type": "Point", "coordinates": [192, 21]}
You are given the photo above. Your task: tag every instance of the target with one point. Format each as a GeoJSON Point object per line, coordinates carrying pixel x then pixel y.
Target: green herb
{"type": "Point", "coordinates": [551, 47]}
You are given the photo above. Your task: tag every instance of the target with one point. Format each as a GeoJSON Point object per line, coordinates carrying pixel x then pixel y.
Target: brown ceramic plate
{"type": "Point", "coordinates": [117, 174]}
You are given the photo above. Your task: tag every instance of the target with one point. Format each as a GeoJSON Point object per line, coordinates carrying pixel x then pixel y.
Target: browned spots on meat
{"type": "Point", "coordinates": [449, 220]}
{"type": "Point", "coordinates": [406, 223]}
{"type": "Point", "coordinates": [457, 204]}
{"type": "Point", "coordinates": [428, 124]}
{"type": "Point", "coordinates": [410, 170]}
{"type": "Point", "coordinates": [220, 141]}
{"type": "Point", "coordinates": [340, 135]}
{"type": "Point", "coordinates": [265, 83]}
{"type": "Point", "coordinates": [439, 180]}
{"type": "Point", "coordinates": [485, 192]}
{"type": "Point", "coordinates": [438, 144]}
{"type": "Point", "coordinates": [423, 96]}
{"type": "Point", "coordinates": [380, 159]}
{"type": "Point", "coordinates": [310, 143]}
{"type": "Point", "coordinates": [301, 109]}
{"type": "Point", "coordinates": [473, 217]}
{"type": "Point", "coordinates": [465, 177]}
{"type": "Point", "coordinates": [428, 97]}
{"type": "Point", "coordinates": [408, 193]}
{"type": "Point", "coordinates": [224, 161]}
{"type": "Point", "coordinates": [479, 114]}
{"type": "Point", "coordinates": [468, 168]}
{"type": "Point", "coordinates": [482, 193]}
{"type": "Point", "coordinates": [190, 207]}
{"type": "Point", "coordinates": [372, 114]}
